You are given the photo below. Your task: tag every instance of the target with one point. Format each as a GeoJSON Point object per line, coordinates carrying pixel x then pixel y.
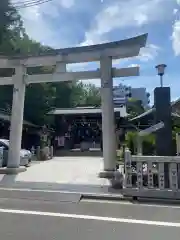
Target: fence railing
{"type": "Point", "coordinates": [147, 176]}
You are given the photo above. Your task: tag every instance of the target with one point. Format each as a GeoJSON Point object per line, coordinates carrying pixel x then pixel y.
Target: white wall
{"type": "Point", "coordinates": [122, 91]}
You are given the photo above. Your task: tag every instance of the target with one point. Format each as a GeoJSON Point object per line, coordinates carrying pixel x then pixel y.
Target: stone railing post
{"type": "Point", "coordinates": [1, 156]}
{"type": "Point", "coordinates": [139, 172]}
{"type": "Point", "coordinates": [139, 146]}
{"type": "Point", "coordinates": [161, 176]}
{"type": "Point", "coordinates": [178, 154]}
{"type": "Point", "coordinates": [38, 152]}
{"type": "Point", "coordinates": [177, 144]}
{"type": "Point", "coordinates": [51, 152]}
{"type": "Point", "coordinates": [173, 176]}
{"type": "Point", "coordinates": [128, 168]}
{"type": "Point", "coordinates": [150, 174]}
{"type": "Point", "coordinates": [33, 153]}
{"type": "Point", "coordinates": [33, 150]}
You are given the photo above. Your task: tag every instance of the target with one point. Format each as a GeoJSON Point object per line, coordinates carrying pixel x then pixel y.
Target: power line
{"type": "Point", "coordinates": [26, 4]}
{"type": "Point", "coordinates": [23, 2]}
{"type": "Point", "coordinates": [30, 3]}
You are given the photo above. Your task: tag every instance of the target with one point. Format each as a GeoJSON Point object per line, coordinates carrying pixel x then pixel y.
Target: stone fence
{"type": "Point", "coordinates": [152, 176]}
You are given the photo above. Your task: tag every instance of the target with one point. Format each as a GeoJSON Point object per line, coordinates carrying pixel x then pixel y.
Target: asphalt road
{"type": "Point", "coordinates": [27, 216]}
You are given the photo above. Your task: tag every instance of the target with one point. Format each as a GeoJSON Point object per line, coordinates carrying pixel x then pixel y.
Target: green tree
{"type": "Point", "coordinates": [38, 101]}
{"type": "Point", "coordinates": [77, 94]}
{"type": "Point", "coordinates": [134, 107]}
{"type": "Point", "coordinates": [10, 29]}
{"type": "Point", "coordinates": [86, 95]}
{"type": "Point", "coordinates": [40, 98]}
{"type": "Point", "coordinates": [93, 97]}
{"type": "Point", "coordinates": [63, 91]}
{"type": "Point", "coordinates": [11, 26]}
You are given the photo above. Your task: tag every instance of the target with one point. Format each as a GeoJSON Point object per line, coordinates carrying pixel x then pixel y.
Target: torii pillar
{"type": "Point", "coordinates": [17, 114]}
{"type": "Point", "coordinates": [108, 120]}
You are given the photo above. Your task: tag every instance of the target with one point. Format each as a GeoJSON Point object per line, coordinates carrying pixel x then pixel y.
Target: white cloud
{"type": "Point", "coordinates": [117, 14]}
{"type": "Point", "coordinates": [176, 37]}
{"type": "Point", "coordinates": [127, 13]}
{"type": "Point", "coordinates": [175, 11]}
{"type": "Point", "coordinates": [39, 32]}
{"type": "Point", "coordinates": [67, 3]}
{"type": "Point", "coordinates": [37, 26]}
{"type": "Point", "coordinates": [176, 31]}
{"type": "Point", "coordinates": [133, 65]}
{"type": "Point", "coordinates": [148, 53]}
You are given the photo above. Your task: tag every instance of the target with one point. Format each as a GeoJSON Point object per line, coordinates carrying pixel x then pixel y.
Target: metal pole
{"type": "Point", "coordinates": [161, 80]}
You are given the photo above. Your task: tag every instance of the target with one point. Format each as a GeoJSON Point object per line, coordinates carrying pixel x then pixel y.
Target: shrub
{"type": "Point", "coordinates": [148, 143]}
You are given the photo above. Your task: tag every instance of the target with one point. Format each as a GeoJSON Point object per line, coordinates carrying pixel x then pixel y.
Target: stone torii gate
{"type": "Point", "coordinates": [104, 53]}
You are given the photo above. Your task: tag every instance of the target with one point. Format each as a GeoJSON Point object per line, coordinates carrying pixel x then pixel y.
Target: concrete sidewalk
{"type": "Point", "coordinates": [73, 170]}
{"type": "Point", "coordinates": [66, 174]}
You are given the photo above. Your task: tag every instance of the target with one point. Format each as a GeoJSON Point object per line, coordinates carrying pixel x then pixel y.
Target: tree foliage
{"type": "Point", "coordinates": [134, 108]}
{"type": "Point", "coordinates": [86, 95]}
{"type": "Point", "coordinates": [40, 98]}
{"type": "Point", "coordinates": [148, 143]}
{"type": "Point", "coordinates": [11, 27]}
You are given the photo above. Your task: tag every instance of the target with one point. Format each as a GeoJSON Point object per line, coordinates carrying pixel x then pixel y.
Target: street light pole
{"type": "Point", "coordinates": [161, 68]}
{"type": "Point", "coordinates": [161, 80]}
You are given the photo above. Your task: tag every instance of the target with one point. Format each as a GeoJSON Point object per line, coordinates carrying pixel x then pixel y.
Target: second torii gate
{"type": "Point", "coordinates": [104, 53]}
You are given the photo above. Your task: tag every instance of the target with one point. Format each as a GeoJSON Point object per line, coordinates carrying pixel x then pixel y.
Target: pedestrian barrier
{"type": "Point", "coordinates": [145, 176]}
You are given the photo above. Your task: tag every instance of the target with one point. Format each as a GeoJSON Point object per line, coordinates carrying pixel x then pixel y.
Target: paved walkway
{"type": "Point", "coordinates": [75, 170]}
{"type": "Point", "coordinates": [77, 174]}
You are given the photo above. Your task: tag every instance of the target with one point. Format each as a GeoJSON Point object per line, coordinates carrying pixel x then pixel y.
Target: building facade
{"type": "Point", "coordinates": [122, 93]}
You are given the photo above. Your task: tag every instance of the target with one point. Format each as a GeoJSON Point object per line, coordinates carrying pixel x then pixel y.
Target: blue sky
{"type": "Point", "coordinates": [64, 23]}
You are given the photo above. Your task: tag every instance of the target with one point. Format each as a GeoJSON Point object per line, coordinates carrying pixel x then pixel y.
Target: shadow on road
{"type": "Point", "coordinates": [8, 180]}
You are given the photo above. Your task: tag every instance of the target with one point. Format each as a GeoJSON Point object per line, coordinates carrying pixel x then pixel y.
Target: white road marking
{"type": "Point", "coordinates": [89, 217]}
